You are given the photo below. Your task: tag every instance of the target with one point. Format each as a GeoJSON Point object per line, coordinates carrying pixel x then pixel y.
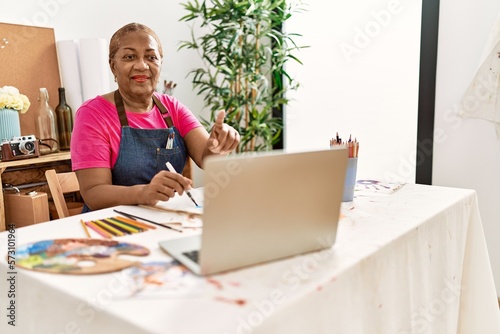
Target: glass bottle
{"type": "Point", "coordinates": [64, 117]}
{"type": "Point", "coordinates": [46, 125]}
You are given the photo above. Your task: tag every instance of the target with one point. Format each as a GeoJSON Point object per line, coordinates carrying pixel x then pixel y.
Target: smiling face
{"type": "Point", "coordinates": [136, 64]}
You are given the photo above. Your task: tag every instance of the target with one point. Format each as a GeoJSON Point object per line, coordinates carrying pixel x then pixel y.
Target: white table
{"type": "Point", "coordinates": [411, 262]}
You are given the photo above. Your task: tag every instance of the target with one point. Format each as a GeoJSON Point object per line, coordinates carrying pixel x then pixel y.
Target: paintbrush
{"type": "Point", "coordinates": [172, 169]}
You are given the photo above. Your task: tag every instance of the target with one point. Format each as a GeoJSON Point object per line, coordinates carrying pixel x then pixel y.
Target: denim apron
{"type": "Point", "coordinates": [144, 152]}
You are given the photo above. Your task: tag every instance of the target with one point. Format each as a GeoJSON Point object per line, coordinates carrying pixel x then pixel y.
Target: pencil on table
{"type": "Point", "coordinates": [134, 222]}
{"type": "Point", "coordinates": [99, 230]}
{"type": "Point", "coordinates": [123, 226]}
{"type": "Point", "coordinates": [85, 228]}
{"type": "Point", "coordinates": [108, 228]}
{"type": "Point", "coordinates": [131, 216]}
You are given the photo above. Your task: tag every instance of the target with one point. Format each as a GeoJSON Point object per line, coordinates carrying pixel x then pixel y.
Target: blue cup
{"type": "Point", "coordinates": [350, 179]}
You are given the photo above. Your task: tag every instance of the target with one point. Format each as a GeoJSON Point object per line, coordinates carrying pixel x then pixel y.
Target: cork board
{"type": "Point", "coordinates": [28, 61]}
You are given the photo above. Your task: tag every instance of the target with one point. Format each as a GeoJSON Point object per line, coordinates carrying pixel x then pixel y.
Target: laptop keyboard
{"type": "Point", "coordinates": [192, 255]}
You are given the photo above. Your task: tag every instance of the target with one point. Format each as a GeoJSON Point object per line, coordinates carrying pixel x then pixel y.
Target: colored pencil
{"type": "Point", "coordinates": [99, 230]}
{"type": "Point", "coordinates": [124, 227]}
{"type": "Point", "coordinates": [134, 222]}
{"type": "Point", "coordinates": [351, 145]}
{"type": "Point", "coordinates": [110, 223]}
{"type": "Point", "coordinates": [126, 222]}
{"type": "Point", "coordinates": [108, 228]}
{"type": "Point", "coordinates": [147, 220]}
{"type": "Point", "coordinates": [85, 228]}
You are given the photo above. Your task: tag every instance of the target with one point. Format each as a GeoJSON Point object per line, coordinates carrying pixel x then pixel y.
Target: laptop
{"type": "Point", "coordinates": [263, 207]}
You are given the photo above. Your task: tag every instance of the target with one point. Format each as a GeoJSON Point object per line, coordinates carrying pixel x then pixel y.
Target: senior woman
{"type": "Point", "coordinates": [122, 140]}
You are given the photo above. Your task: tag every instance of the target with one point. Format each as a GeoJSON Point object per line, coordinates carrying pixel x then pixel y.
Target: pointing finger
{"type": "Point", "coordinates": [219, 120]}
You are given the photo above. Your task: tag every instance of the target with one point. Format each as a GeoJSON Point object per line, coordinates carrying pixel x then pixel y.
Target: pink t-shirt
{"type": "Point", "coordinates": [95, 141]}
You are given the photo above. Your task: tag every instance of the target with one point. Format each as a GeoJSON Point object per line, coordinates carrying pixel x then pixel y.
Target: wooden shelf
{"type": "Point", "coordinates": [41, 160]}
{"type": "Point", "coordinates": [37, 160]}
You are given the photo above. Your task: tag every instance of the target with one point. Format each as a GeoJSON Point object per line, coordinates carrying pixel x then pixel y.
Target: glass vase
{"type": "Point", "coordinates": [10, 125]}
{"type": "Point", "coordinates": [46, 125]}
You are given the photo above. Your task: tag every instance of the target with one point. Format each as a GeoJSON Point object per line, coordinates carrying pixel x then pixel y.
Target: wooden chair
{"type": "Point", "coordinates": [60, 184]}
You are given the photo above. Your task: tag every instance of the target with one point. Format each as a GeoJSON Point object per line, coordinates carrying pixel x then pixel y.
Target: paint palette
{"type": "Point", "coordinates": [77, 256]}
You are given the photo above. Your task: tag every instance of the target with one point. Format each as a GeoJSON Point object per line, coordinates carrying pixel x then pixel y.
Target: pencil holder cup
{"type": "Point", "coordinates": [350, 179]}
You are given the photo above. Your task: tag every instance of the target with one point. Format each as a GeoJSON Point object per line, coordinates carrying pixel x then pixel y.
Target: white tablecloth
{"type": "Point", "coordinates": [411, 262]}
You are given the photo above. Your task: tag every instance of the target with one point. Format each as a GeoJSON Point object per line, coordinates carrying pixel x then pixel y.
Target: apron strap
{"type": "Point", "coordinates": [120, 108]}
{"type": "Point", "coordinates": [123, 116]}
{"type": "Point", "coordinates": [164, 111]}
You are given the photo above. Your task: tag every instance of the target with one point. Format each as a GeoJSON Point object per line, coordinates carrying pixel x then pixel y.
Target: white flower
{"type": "Point", "coordinates": [10, 98]}
{"type": "Point", "coordinates": [9, 90]}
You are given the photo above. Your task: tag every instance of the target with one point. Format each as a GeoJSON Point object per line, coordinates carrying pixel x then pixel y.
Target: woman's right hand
{"type": "Point", "coordinates": [163, 186]}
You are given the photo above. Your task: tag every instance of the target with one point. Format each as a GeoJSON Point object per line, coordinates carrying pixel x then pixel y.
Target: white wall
{"type": "Point", "coordinates": [467, 154]}
{"type": "Point", "coordinates": [360, 77]}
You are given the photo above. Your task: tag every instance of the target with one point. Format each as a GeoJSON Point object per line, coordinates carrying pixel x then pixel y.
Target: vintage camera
{"type": "Point", "coordinates": [20, 148]}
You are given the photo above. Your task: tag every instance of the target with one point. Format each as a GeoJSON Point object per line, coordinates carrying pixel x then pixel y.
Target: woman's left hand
{"type": "Point", "coordinates": [223, 138]}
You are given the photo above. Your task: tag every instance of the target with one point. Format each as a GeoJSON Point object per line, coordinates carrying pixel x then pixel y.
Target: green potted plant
{"type": "Point", "coordinates": [244, 52]}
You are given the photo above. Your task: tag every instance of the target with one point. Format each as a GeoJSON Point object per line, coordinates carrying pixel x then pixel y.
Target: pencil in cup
{"type": "Point", "coordinates": [353, 147]}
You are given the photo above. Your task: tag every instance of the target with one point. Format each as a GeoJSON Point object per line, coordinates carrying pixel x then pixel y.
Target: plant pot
{"type": "Point", "coordinates": [10, 125]}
